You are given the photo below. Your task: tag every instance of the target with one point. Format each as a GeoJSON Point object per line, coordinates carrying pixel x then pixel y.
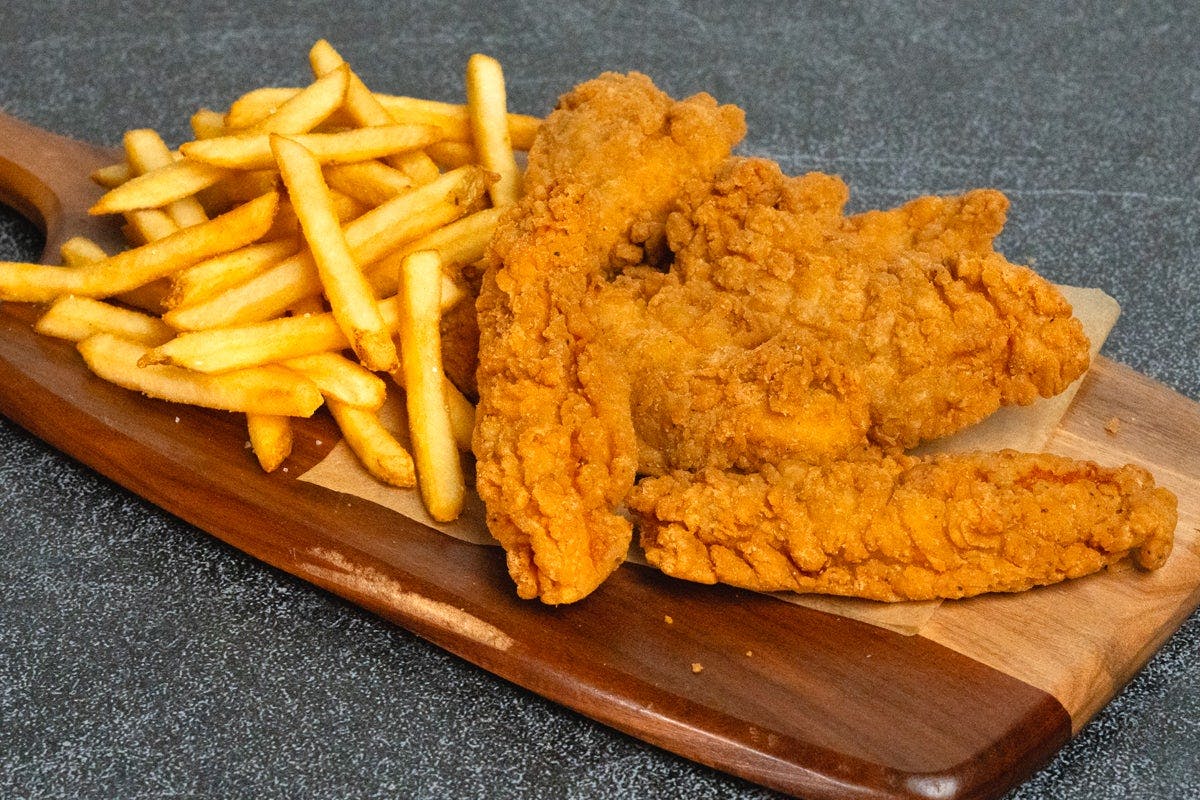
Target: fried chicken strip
{"type": "Point", "coordinates": [900, 528]}
{"type": "Point", "coordinates": [554, 439]}
{"type": "Point", "coordinates": [786, 330]}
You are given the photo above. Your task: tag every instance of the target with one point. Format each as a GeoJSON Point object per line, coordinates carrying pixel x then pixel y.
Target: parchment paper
{"type": "Point", "coordinates": [1022, 428]}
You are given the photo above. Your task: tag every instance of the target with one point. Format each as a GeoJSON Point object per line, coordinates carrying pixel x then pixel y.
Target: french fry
{"type": "Point", "coordinates": [308, 108]}
{"type": "Point", "coordinates": [452, 155]}
{"type": "Point", "coordinates": [369, 182]}
{"type": "Point", "coordinates": [370, 237]}
{"type": "Point", "coordinates": [452, 118]}
{"type": "Point", "coordinates": [350, 296]}
{"type": "Point", "coordinates": [145, 151]}
{"type": "Point", "coordinates": [307, 307]}
{"type": "Point", "coordinates": [207, 124]}
{"type": "Point", "coordinates": [151, 224]}
{"type": "Point", "coordinates": [149, 298]}
{"type": "Point", "coordinates": [137, 267]}
{"type": "Point", "coordinates": [287, 224]}
{"type": "Point", "coordinates": [377, 450]}
{"type": "Point", "coordinates": [253, 151]}
{"type": "Point", "coordinates": [159, 187]}
{"type": "Point", "coordinates": [487, 109]}
{"type": "Point", "coordinates": [80, 250]}
{"type": "Point", "coordinates": [439, 467]}
{"type": "Point", "coordinates": [112, 176]}
{"type": "Point", "coordinates": [76, 318]}
{"type": "Point", "coordinates": [460, 409]}
{"type": "Point", "coordinates": [36, 283]}
{"type": "Point", "coordinates": [460, 243]}
{"type": "Point", "coordinates": [142, 265]}
{"type": "Point", "coordinates": [365, 110]}
{"type": "Point", "coordinates": [220, 272]}
{"type": "Point", "coordinates": [262, 390]}
{"type": "Point", "coordinates": [340, 378]}
{"type": "Point", "coordinates": [270, 438]}
{"type": "Point", "coordinates": [238, 188]}
{"type": "Point", "coordinates": [222, 349]}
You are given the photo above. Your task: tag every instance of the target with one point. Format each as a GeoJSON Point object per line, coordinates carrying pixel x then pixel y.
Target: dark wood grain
{"type": "Point", "coordinates": [801, 701]}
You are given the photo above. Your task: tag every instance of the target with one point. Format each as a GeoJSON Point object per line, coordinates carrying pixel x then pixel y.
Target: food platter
{"type": "Point", "coordinates": [796, 699]}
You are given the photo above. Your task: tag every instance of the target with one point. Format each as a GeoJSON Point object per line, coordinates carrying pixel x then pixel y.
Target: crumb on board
{"type": "Point", "coordinates": [749, 653]}
{"type": "Point", "coordinates": [1113, 426]}
{"type": "Point", "coordinates": [667, 618]}
{"type": "Point", "coordinates": [697, 668]}
{"type": "Point", "coordinates": [319, 443]}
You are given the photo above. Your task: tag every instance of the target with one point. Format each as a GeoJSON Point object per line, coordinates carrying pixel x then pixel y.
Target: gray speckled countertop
{"type": "Point", "coordinates": [141, 658]}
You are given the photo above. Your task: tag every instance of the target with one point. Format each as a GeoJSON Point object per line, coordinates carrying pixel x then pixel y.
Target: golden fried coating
{"type": "Point", "coordinates": [785, 330]}
{"type": "Point", "coordinates": [554, 438]}
{"type": "Point", "coordinates": [899, 528]}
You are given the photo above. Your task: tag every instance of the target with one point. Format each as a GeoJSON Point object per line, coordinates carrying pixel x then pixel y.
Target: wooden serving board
{"type": "Point", "coordinates": [798, 700]}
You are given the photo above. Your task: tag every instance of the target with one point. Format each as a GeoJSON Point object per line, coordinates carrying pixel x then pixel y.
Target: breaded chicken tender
{"type": "Point", "coordinates": [786, 330]}
{"type": "Point", "coordinates": [554, 439]}
{"type": "Point", "coordinates": [900, 528]}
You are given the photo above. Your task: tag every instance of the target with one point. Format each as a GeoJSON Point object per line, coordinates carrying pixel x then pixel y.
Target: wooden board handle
{"type": "Point", "coordinates": [44, 176]}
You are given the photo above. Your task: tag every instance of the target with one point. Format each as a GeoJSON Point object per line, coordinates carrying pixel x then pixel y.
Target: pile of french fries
{"type": "Point", "coordinates": [298, 253]}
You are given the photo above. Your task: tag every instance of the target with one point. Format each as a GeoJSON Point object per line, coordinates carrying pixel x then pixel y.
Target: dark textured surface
{"type": "Point", "coordinates": [141, 658]}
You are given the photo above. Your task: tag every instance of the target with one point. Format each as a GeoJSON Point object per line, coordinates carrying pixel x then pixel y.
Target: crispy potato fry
{"type": "Point", "coordinates": [218, 273]}
{"type": "Point", "coordinates": [460, 409]}
{"type": "Point", "coordinates": [223, 349]}
{"type": "Point", "coordinates": [308, 108]}
{"type": "Point", "coordinates": [339, 377]}
{"type": "Point", "coordinates": [308, 306]}
{"type": "Point", "coordinates": [262, 390]}
{"type": "Point", "coordinates": [134, 268]}
{"type": "Point", "coordinates": [145, 151]}
{"type": "Point", "coordinates": [366, 111]}
{"type": "Point", "coordinates": [370, 237]}
{"type": "Point", "coordinates": [36, 283]}
{"type": "Point", "coordinates": [350, 296]}
{"type": "Point", "coordinates": [111, 176]}
{"type": "Point", "coordinates": [287, 224]}
{"type": "Point", "coordinates": [369, 182]}
{"type": "Point", "coordinates": [253, 151]}
{"type": "Point", "coordinates": [76, 318]}
{"type": "Point", "coordinates": [460, 243]}
{"type": "Point", "coordinates": [270, 438]}
{"type": "Point", "coordinates": [377, 449]}
{"type": "Point", "coordinates": [452, 155]}
{"type": "Point", "coordinates": [487, 110]}
{"type": "Point", "coordinates": [452, 118]}
{"type": "Point", "coordinates": [188, 246]}
{"type": "Point", "coordinates": [207, 124]}
{"type": "Point", "coordinates": [238, 188]}
{"type": "Point", "coordinates": [158, 187]}
{"type": "Point", "coordinates": [151, 224]}
{"type": "Point", "coordinates": [80, 250]}
{"type": "Point", "coordinates": [150, 298]}
{"type": "Point", "coordinates": [439, 467]}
